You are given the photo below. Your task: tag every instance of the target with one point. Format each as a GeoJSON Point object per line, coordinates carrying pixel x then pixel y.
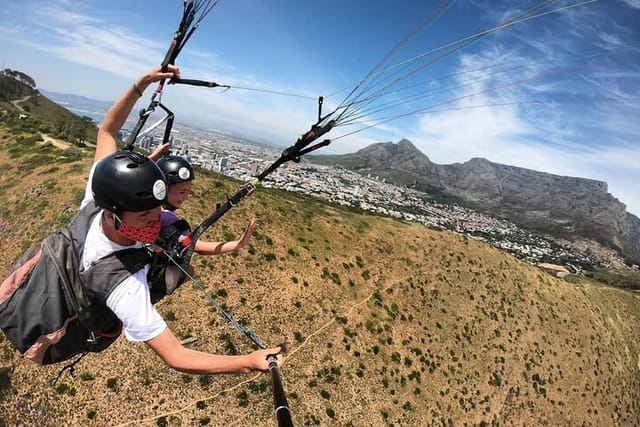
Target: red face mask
{"type": "Point", "coordinates": [147, 234]}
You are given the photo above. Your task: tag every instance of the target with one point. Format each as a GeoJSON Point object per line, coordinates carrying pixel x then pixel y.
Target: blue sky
{"type": "Point", "coordinates": [552, 86]}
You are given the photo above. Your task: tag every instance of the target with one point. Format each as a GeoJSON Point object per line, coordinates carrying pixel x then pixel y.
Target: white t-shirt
{"type": "Point", "coordinates": [130, 300]}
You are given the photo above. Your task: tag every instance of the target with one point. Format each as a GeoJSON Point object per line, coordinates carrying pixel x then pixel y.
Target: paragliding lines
{"type": "Point", "coordinates": [192, 10]}
{"type": "Point", "coordinates": [381, 89]}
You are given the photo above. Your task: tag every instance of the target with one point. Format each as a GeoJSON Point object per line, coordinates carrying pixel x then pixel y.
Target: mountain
{"type": "Point", "coordinates": [559, 206]}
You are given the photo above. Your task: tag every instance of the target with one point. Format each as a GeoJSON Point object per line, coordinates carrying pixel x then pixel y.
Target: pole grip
{"type": "Point", "coordinates": [280, 405]}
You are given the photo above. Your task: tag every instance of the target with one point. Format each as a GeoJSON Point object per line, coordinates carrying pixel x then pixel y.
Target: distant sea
{"type": "Point", "coordinates": [96, 117]}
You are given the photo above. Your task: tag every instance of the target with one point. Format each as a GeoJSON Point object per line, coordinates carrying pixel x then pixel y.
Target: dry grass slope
{"type": "Point", "coordinates": [384, 323]}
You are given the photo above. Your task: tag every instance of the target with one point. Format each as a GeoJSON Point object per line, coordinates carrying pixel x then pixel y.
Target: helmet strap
{"type": "Point", "coordinates": [116, 221]}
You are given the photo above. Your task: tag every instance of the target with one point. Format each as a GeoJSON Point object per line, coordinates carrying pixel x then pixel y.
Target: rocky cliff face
{"type": "Point", "coordinates": [559, 206]}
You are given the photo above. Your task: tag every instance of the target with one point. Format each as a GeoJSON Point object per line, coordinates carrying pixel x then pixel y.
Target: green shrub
{"type": "Point", "coordinates": [112, 384]}
{"type": "Point", "coordinates": [86, 376]}
{"type": "Point", "coordinates": [5, 381]}
{"type": "Point", "coordinates": [243, 399]}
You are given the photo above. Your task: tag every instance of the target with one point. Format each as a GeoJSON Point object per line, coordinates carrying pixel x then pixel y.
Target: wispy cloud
{"type": "Point", "coordinates": [62, 31]}
{"type": "Point", "coordinates": [634, 4]}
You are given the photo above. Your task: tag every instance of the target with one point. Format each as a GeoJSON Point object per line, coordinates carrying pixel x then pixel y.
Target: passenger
{"type": "Point", "coordinates": [179, 175]}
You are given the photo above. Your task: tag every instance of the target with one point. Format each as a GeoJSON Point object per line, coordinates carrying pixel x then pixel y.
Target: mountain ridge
{"type": "Point", "coordinates": [555, 205]}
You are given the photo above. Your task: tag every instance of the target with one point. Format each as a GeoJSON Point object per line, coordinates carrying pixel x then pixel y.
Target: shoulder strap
{"type": "Point", "coordinates": [108, 272]}
{"type": "Point", "coordinates": [75, 233]}
{"type": "Point", "coordinates": [78, 227]}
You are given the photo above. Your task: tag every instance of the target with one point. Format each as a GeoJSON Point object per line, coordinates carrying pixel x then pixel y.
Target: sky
{"type": "Point", "coordinates": [552, 86]}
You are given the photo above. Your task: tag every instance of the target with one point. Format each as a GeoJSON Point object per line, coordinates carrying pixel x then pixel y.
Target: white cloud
{"type": "Point", "coordinates": [634, 4]}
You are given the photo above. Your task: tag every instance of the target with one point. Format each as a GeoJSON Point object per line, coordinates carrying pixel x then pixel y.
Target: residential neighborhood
{"type": "Point", "coordinates": [243, 159]}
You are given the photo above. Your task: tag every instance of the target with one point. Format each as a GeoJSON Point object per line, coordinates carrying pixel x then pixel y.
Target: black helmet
{"type": "Point", "coordinates": [176, 169]}
{"type": "Point", "coordinates": [128, 181]}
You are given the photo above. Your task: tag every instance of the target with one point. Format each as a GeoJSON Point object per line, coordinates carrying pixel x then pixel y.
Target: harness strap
{"type": "Point", "coordinates": [70, 367]}
{"type": "Point", "coordinates": [170, 234]}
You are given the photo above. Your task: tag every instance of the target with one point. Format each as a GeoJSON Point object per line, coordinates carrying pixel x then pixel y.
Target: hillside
{"type": "Point", "coordinates": [384, 322]}
{"type": "Point", "coordinates": [558, 206]}
{"type": "Point", "coordinates": [38, 113]}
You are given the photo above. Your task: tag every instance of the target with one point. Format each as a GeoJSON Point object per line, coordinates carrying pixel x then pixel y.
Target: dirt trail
{"type": "Point", "coordinates": [15, 102]}
{"type": "Point", "coordinates": [58, 143]}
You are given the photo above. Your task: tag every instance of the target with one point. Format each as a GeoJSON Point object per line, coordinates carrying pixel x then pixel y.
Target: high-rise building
{"type": "Point", "coordinates": [222, 165]}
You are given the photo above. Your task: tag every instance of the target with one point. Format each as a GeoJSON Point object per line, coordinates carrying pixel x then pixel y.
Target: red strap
{"type": "Point", "coordinates": [111, 334]}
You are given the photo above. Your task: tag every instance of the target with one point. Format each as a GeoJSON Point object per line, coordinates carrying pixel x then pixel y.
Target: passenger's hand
{"type": "Point", "coordinates": [248, 232]}
{"type": "Point", "coordinates": [159, 151]}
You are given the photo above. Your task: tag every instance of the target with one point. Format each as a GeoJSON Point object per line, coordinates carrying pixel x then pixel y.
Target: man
{"type": "Point", "coordinates": [130, 189]}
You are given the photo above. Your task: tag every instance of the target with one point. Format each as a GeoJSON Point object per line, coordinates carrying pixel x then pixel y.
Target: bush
{"type": "Point", "coordinates": [5, 381]}
{"type": "Point", "coordinates": [496, 380]}
{"type": "Point", "coordinates": [112, 384]}
{"type": "Point", "coordinates": [243, 399]}
{"type": "Point", "coordinates": [86, 376]}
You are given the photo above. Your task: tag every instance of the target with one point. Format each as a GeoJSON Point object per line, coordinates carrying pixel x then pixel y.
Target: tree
{"type": "Point", "coordinates": [81, 128]}
{"type": "Point", "coordinates": [20, 76]}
